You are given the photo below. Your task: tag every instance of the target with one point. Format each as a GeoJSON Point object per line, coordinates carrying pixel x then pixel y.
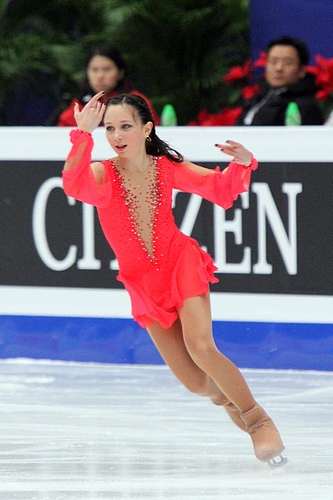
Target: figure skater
{"type": "Point", "coordinates": [165, 272]}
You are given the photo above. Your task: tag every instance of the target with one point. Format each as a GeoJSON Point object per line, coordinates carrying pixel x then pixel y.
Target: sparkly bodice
{"type": "Point", "coordinates": [141, 196]}
{"type": "Point", "coordinates": [139, 222]}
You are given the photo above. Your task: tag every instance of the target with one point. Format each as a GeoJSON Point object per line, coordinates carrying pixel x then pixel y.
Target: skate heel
{"type": "Point", "coordinates": [266, 439]}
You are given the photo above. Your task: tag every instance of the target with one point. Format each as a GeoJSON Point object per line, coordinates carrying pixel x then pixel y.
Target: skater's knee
{"type": "Point", "coordinates": [201, 351]}
{"type": "Point", "coordinates": [199, 386]}
{"type": "Point", "coordinates": [219, 399]}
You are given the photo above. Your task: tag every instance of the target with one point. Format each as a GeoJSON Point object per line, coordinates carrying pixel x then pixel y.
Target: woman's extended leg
{"type": "Point", "coordinates": [195, 317]}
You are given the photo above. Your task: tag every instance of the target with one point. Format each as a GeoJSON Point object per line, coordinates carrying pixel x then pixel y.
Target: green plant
{"type": "Point", "coordinates": [39, 45]}
{"type": "Point", "coordinates": [177, 50]}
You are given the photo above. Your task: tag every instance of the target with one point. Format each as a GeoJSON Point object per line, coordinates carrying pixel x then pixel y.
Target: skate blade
{"type": "Point", "coordinates": [278, 461]}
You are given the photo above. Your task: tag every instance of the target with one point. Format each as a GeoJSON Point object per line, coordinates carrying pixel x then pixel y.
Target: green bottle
{"type": "Point", "coordinates": [293, 115]}
{"type": "Point", "coordinates": [168, 116]}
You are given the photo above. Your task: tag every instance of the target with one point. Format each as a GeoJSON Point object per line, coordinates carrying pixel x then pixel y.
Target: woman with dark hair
{"type": "Point", "coordinates": [106, 71]}
{"type": "Point", "coordinates": [165, 272]}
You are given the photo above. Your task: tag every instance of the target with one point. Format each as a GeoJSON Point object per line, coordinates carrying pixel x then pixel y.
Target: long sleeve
{"type": "Point", "coordinates": [221, 188]}
{"type": "Point", "coordinates": [78, 178]}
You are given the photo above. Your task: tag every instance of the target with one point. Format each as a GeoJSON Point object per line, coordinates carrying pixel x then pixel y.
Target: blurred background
{"type": "Point", "coordinates": [177, 51]}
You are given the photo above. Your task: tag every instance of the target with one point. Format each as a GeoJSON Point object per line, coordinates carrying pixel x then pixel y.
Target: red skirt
{"type": "Point", "coordinates": [158, 293]}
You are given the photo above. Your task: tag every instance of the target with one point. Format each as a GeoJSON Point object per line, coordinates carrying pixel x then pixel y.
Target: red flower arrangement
{"type": "Point", "coordinates": [323, 72]}
{"type": "Point", "coordinates": [226, 118]}
{"type": "Point", "coordinates": [242, 77]}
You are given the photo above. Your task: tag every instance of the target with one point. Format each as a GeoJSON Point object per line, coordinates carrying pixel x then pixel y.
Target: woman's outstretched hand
{"type": "Point", "coordinates": [239, 153]}
{"type": "Point", "coordinates": [91, 115]}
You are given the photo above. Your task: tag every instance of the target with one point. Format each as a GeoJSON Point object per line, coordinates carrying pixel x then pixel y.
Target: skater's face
{"type": "Point", "coordinates": [125, 131]}
{"type": "Point", "coordinates": [283, 66]}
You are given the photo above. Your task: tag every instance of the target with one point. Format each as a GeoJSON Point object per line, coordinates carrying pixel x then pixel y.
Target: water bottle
{"type": "Point", "coordinates": [293, 115]}
{"type": "Point", "coordinates": [168, 116]}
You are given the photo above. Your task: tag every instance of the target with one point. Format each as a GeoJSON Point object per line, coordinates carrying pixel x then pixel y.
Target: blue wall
{"type": "Point", "coordinates": [310, 20]}
{"type": "Point", "coordinates": [248, 344]}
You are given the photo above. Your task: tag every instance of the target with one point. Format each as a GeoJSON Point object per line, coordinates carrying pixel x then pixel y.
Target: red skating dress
{"type": "Point", "coordinates": [159, 265]}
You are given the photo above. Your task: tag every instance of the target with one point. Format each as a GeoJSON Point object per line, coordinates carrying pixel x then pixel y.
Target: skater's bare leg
{"type": "Point", "coordinates": [195, 317]}
{"type": "Point", "coordinates": [171, 346]}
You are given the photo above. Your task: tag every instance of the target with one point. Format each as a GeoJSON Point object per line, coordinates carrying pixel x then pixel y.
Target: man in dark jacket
{"type": "Point", "coordinates": [286, 80]}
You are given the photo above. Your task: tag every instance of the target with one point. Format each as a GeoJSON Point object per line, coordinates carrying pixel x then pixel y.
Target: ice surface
{"type": "Point", "coordinates": [84, 431]}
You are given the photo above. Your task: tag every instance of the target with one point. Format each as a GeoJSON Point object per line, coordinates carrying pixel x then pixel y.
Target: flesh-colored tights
{"type": "Point", "coordinates": [189, 349]}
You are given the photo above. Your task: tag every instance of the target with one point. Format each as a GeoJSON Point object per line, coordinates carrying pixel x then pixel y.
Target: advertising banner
{"type": "Point", "coordinates": [277, 238]}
